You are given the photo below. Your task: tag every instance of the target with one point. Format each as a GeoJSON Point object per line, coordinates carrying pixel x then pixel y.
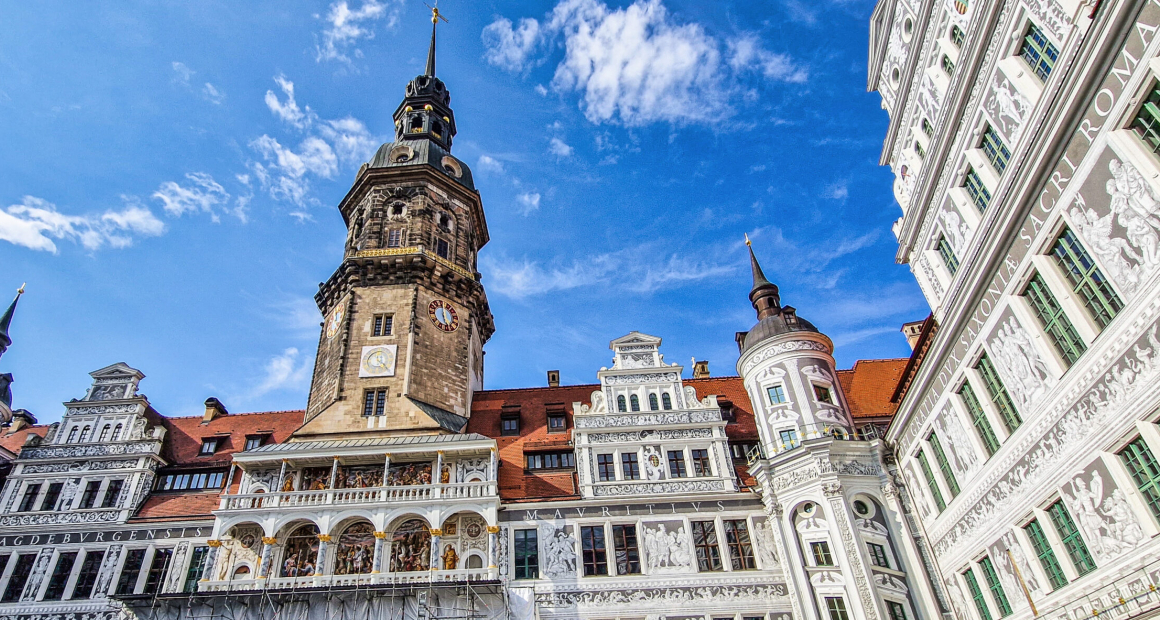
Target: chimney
{"type": "Point", "coordinates": [912, 330]}
{"type": "Point", "coordinates": [701, 369]}
{"type": "Point", "coordinates": [213, 408]}
{"type": "Point", "coordinates": [21, 418]}
{"type": "Point", "coordinates": [553, 378]}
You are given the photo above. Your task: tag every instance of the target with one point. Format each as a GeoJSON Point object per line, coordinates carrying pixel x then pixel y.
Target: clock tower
{"type": "Point", "coordinates": [405, 315]}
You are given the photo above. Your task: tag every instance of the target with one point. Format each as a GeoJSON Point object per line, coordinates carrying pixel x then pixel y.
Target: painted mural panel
{"type": "Point", "coordinates": [405, 474]}
{"type": "Point", "coordinates": [356, 549]}
{"type": "Point", "coordinates": [300, 552]}
{"type": "Point", "coordinates": [411, 547]}
{"type": "Point", "coordinates": [359, 477]}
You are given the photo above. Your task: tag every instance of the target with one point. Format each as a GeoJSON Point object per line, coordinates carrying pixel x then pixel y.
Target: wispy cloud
{"type": "Point", "coordinates": [213, 94]}
{"type": "Point", "coordinates": [183, 76]}
{"type": "Point", "coordinates": [345, 27]}
{"type": "Point", "coordinates": [559, 148]}
{"type": "Point", "coordinates": [181, 73]}
{"type": "Point", "coordinates": [490, 164]}
{"type": "Point", "coordinates": [511, 48]}
{"type": "Point", "coordinates": [837, 191]}
{"type": "Point", "coordinates": [529, 202]}
{"type": "Point", "coordinates": [202, 194]}
{"type": "Point", "coordinates": [289, 370]}
{"type": "Point", "coordinates": [35, 222]}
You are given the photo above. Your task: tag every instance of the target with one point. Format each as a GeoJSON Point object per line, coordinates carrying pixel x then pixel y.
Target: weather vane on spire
{"type": "Point", "coordinates": [435, 14]}
{"type": "Point", "coordinates": [747, 241]}
{"type": "Point", "coordinates": [435, 17]}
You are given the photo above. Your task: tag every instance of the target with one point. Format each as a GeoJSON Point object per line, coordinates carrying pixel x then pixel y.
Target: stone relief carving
{"type": "Point", "coordinates": [55, 518]}
{"type": "Point", "coordinates": [1051, 16]}
{"type": "Point", "coordinates": [635, 360]}
{"type": "Point", "coordinates": [649, 434]}
{"type": "Point", "coordinates": [1007, 570]}
{"type": "Point", "coordinates": [890, 582]}
{"type": "Point", "coordinates": [466, 468]}
{"type": "Point", "coordinates": [653, 464]}
{"type": "Point", "coordinates": [559, 549]}
{"type": "Point", "coordinates": [502, 551]}
{"type": "Point", "coordinates": [754, 594]}
{"type": "Point", "coordinates": [662, 377]}
{"type": "Point", "coordinates": [827, 578]}
{"type": "Point", "coordinates": [102, 409]}
{"type": "Point", "coordinates": [817, 372]}
{"type": "Point", "coordinates": [648, 488]}
{"type": "Point", "coordinates": [1016, 358]}
{"type": "Point", "coordinates": [667, 548]}
{"type": "Point", "coordinates": [795, 477]}
{"type": "Point", "coordinates": [652, 418]}
{"type": "Point", "coordinates": [68, 492]}
{"type": "Point", "coordinates": [784, 347]}
{"type": "Point", "coordinates": [958, 445]}
{"type": "Point", "coordinates": [1108, 525]}
{"type": "Point", "coordinates": [931, 279]}
{"type": "Point", "coordinates": [958, 601]}
{"type": "Point", "coordinates": [766, 545]}
{"type": "Point", "coordinates": [956, 230]}
{"type": "Point", "coordinates": [108, 567]}
{"type": "Point", "coordinates": [264, 477]}
{"type": "Point", "coordinates": [86, 451]}
{"type": "Point", "coordinates": [599, 405]}
{"type": "Point", "coordinates": [847, 534]}
{"type": "Point", "coordinates": [36, 577]}
{"type": "Point", "coordinates": [177, 568]}
{"type": "Point", "coordinates": [1009, 108]}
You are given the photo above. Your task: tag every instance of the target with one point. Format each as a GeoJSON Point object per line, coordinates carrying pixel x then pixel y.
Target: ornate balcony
{"type": "Point", "coordinates": [810, 432]}
{"type": "Point", "coordinates": [373, 495]}
{"type": "Point", "coordinates": [356, 580]}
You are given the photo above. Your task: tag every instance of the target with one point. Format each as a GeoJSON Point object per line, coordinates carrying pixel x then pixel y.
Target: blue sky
{"type": "Point", "coordinates": [169, 173]}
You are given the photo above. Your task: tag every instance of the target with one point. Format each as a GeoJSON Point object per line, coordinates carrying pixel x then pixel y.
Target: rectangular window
{"type": "Point", "coordinates": [739, 543]}
{"type": "Point", "coordinates": [948, 66]}
{"type": "Point", "coordinates": [897, 611]}
{"type": "Point", "coordinates": [821, 552]}
{"type": "Point", "coordinates": [196, 564]}
{"type": "Point", "coordinates": [60, 574]}
{"type": "Point", "coordinates": [1086, 279]}
{"type": "Point", "coordinates": [87, 578]}
{"type": "Point", "coordinates": [127, 582]}
{"type": "Point", "coordinates": [776, 395]}
{"type": "Point", "coordinates": [605, 467]}
{"type": "Point", "coordinates": [527, 550]}
{"type": "Point", "coordinates": [878, 555]}
{"type": "Point", "coordinates": [183, 481]}
{"type": "Point", "coordinates": [927, 128]}
{"type": "Point", "coordinates": [999, 396]}
{"type": "Point", "coordinates": [957, 36]}
{"type": "Point", "coordinates": [705, 543]}
{"type": "Point", "coordinates": [112, 492]}
{"type": "Point", "coordinates": [1039, 53]}
{"type": "Point", "coordinates": [19, 577]}
{"type": "Point", "coordinates": [157, 569]}
{"type": "Point", "coordinates": [1147, 121]}
{"type": "Point", "coordinates": [789, 438]}
{"type": "Point", "coordinates": [510, 425]}
{"type": "Point", "coordinates": [996, 152]}
{"type": "Point", "coordinates": [383, 325]}
{"type": "Point", "coordinates": [1145, 472]}
{"type": "Point", "coordinates": [595, 554]}
{"type": "Point", "coordinates": [931, 484]}
{"type": "Point", "coordinates": [368, 403]}
{"type": "Point", "coordinates": [980, 197]}
{"type": "Point", "coordinates": [29, 499]}
{"type": "Point", "coordinates": [208, 446]}
{"type": "Point", "coordinates": [976, 594]}
{"type": "Point", "coordinates": [947, 253]}
{"type": "Point", "coordinates": [1072, 542]}
{"type": "Point", "coordinates": [919, 150]}
{"type": "Point", "coordinates": [677, 464]}
{"type": "Point", "coordinates": [979, 419]}
{"type": "Point", "coordinates": [441, 248]}
{"type": "Point", "coordinates": [89, 497]}
{"type": "Point", "coordinates": [944, 465]}
{"type": "Point", "coordinates": [550, 460]}
{"type": "Point", "coordinates": [997, 593]}
{"type": "Point", "coordinates": [395, 238]}
{"type": "Point", "coordinates": [627, 552]}
{"type": "Point", "coordinates": [1046, 555]}
{"type": "Point", "coordinates": [51, 495]}
{"type": "Point", "coordinates": [836, 607]}
{"type": "Point", "coordinates": [823, 394]}
{"type": "Point", "coordinates": [1053, 320]}
{"type": "Point", "coordinates": [701, 465]}
{"type": "Point", "coordinates": [253, 442]}
{"type": "Point", "coordinates": [629, 466]}
{"type": "Point", "coordinates": [557, 422]}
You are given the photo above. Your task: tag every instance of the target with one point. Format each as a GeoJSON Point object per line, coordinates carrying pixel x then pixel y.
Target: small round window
{"type": "Point", "coordinates": [861, 508]}
{"type": "Point", "coordinates": [807, 508]}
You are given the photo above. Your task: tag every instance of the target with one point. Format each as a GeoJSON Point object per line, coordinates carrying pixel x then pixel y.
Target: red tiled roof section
{"type": "Point", "coordinates": [869, 386]}
{"type": "Point", "coordinates": [743, 427]}
{"type": "Point", "coordinates": [178, 506]}
{"type": "Point", "coordinates": [14, 441]}
{"type": "Point", "coordinates": [184, 436]}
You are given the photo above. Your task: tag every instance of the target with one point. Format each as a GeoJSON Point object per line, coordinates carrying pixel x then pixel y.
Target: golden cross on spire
{"type": "Point", "coordinates": [747, 241]}
{"type": "Point", "coordinates": [435, 14]}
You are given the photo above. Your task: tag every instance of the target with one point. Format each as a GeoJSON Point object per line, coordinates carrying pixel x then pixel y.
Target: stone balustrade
{"type": "Point", "coordinates": [370, 495]}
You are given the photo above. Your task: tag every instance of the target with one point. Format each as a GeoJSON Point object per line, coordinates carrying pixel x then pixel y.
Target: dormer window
{"type": "Point", "coordinates": [510, 421]}
{"type": "Point", "coordinates": [208, 446]}
{"type": "Point", "coordinates": [86, 432]}
{"type": "Point", "coordinates": [72, 434]}
{"type": "Point", "coordinates": [104, 433]}
{"type": "Point", "coordinates": [790, 315]}
{"type": "Point", "coordinates": [117, 432]}
{"type": "Point", "coordinates": [253, 442]}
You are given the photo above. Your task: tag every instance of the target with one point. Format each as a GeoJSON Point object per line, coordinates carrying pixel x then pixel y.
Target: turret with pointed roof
{"type": "Point", "coordinates": [6, 322]}
{"type": "Point", "coordinates": [773, 319]}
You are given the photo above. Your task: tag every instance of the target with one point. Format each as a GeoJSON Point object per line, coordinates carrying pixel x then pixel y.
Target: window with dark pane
{"type": "Point", "coordinates": [51, 495]}
{"type": "Point", "coordinates": [593, 547]}
{"type": "Point", "coordinates": [383, 324]}
{"type": "Point", "coordinates": [897, 611]}
{"type": "Point", "coordinates": [931, 484]}
{"type": "Point", "coordinates": [19, 577]}
{"type": "Point", "coordinates": [1146, 124]}
{"type": "Point", "coordinates": [626, 548]}
{"type": "Point", "coordinates": [976, 594]}
{"type": "Point", "coordinates": [29, 500]}
{"type": "Point", "coordinates": [113, 491]}
{"type": "Point", "coordinates": [89, 497]}
{"type": "Point", "coordinates": [836, 608]}
{"type": "Point", "coordinates": [1145, 472]}
{"type": "Point", "coordinates": [944, 464]}
{"type": "Point", "coordinates": [87, 577]}
{"type": "Point", "coordinates": [823, 395]}
{"type": "Point", "coordinates": [561, 459]}
{"type": "Point", "coordinates": [996, 588]}
{"type": "Point", "coordinates": [701, 465]}
{"type": "Point", "coordinates": [60, 574]}
{"type": "Point", "coordinates": [927, 128]}
{"type": "Point", "coordinates": [999, 395]}
{"type": "Point", "coordinates": [196, 566]}
{"type": "Point", "coordinates": [634, 402]}
{"type": "Point", "coordinates": [739, 543]}
{"type": "Point", "coordinates": [705, 544]}
{"type": "Point", "coordinates": [605, 467]}
{"type": "Point", "coordinates": [977, 191]}
{"type": "Point", "coordinates": [1053, 320]}
{"type": "Point", "coordinates": [957, 36]}
{"type": "Point", "coordinates": [947, 254]}
{"type": "Point", "coordinates": [527, 554]}
{"type": "Point", "coordinates": [1046, 554]}
{"type": "Point", "coordinates": [948, 66]}
{"type": "Point", "coordinates": [157, 569]}
{"type": "Point", "coordinates": [677, 464]}
{"type": "Point", "coordinates": [630, 466]}
{"type": "Point", "coordinates": [921, 152]}
{"type": "Point", "coordinates": [1086, 279]}
{"type": "Point", "coordinates": [878, 555]}
{"type": "Point", "coordinates": [821, 552]}
{"type": "Point", "coordinates": [979, 419]}
{"type": "Point", "coordinates": [996, 152]}
{"type": "Point", "coordinates": [130, 571]}
{"type": "Point", "coordinates": [441, 248]}
{"type": "Point", "coordinates": [1039, 52]}
{"type": "Point", "coordinates": [1077, 550]}
{"type": "Point", "coordinates": [653, 405]}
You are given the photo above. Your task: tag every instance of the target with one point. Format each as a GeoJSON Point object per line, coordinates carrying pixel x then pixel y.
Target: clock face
{"type": "Point", "coordinates": [334, 323]}
{"type": "Point", "coordinates": [443, 315]}
{"type": "Point", "coordinates": [378, 361]}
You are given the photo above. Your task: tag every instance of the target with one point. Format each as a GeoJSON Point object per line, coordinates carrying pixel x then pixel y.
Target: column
{"type": "Point", "coordinates": [377, 562]}
{"type": "Point", "coordinates": [386, 474]}
{"type": "Point", "coordinates": [493, 474]}
{"type": "Point", "coordinates": [281, 478]}
{"type": "Point", "coordinates": [320, 561]}
{"type": "Point", "coordinates": [492, 533]}
{"type": "Point", "coordinates": [230, 478]}
{"type": "Point", "coordinates": [267, 550]}
{"type": "Point", "coordinates": [435, 559]}
{"type": "Point", "coordinates": [333, 477]}
{"type": "Point", "coordinates": [208, 571]}
{"type": "Point", "coordinates": [437, 475]}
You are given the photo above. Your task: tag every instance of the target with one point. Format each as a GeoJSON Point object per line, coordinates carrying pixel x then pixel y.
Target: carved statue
{"type": "Point", "coordinates": [1113, 252]}
{"type": "Point", "coordinates": [1009, 108]}
{"type": "Point", "coordinates": [450, 557]}
{"type": "Point", "coordinates": [560, 552]}
{"type": "Point", "coordinates": [1021, 366]}
{"type": "Point", "coordinates": [955, 229]}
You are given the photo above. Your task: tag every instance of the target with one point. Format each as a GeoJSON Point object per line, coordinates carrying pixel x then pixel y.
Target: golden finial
{"type": "Point", "coordinates": [20, 291]}
{"type": "Point", "coordinates": [435, 14]}
{"type": "Point", "coordinates": [747, 241]}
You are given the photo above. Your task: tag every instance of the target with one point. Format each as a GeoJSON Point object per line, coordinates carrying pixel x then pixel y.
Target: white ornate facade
{"type": "Point", "coordinates": [1021, 138]}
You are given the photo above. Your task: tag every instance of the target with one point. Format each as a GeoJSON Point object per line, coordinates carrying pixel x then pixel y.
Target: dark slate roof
{"type": "Point", "coordinates": [422, 152]}
{"type": "Point", "coordinates": [774, 326]}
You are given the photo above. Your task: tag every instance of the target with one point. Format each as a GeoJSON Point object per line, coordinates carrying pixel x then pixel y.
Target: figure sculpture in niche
{"type": "Point", "coordinates": [450, 557]}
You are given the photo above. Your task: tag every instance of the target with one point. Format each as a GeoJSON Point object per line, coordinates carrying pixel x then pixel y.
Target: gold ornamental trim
{"type": "Point", "coordinates": [493, 529]}
{"type": "Point", "coordinates": [380, 535]}
{"type": "Point", "coordinates": [436, 532]}
{"type": "Point", "coordinates": [214, 543]}
{"type": "Point", "coordinates": [269, 540]}
{"type": "Point", "coordinates": [324, 537]}
{"type": "Point", "coordinates": [415, 249]}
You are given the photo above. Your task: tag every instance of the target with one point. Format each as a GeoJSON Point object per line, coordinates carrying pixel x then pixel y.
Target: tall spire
{"type": "Point", "coordinates": [6, 321]}
{"type": "Point", "coordinates": [763, 295]}
{"type": "Point", "coordinates": [435, 17]}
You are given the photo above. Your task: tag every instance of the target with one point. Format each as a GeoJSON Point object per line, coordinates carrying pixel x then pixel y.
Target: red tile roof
{"type": "Point", "coordinates": [869, 386]}
{"type": "Point", "coordinates": [13, 441]}
{"type": "Point", "coordinates": [175, 506]}
{"type": "Point", "coordinates": [184, 436]}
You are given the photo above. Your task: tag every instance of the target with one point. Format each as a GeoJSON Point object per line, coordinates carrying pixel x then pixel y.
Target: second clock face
{"type": "Point", "coordinates": [443, 315]}
{"type": "Point", "coordinates": [334, 323]}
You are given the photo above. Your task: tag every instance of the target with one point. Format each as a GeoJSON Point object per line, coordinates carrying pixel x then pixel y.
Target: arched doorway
{"type": "Point", "coordinates": [411, 547]}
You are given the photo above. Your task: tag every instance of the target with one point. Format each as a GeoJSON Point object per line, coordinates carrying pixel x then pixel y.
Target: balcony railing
{"type": "Point", "coordinates": [371, 495]}
{"type": "Point", "coordinates": [358, 580]}
{"type": "Point", "coordinates": [809, 432]}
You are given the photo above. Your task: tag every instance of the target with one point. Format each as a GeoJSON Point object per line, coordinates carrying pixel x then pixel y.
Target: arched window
{"type": "Point", "coordinates": [411, 547]}
{"type": "Point", "coordinates": [85, 432]}
{"type": "Point", "coordinates": [116, 432]}
{"type": "Point", "coordinates": [104, 433]}
{"type": "Point", "coordinates": [356, 549]}
{"type": "Point", "coordinates": [666, 401]}
{"type": "Point", "coordinates": [242, 572]}
{"type": "Point", "coordinates": [301, 552]}
{"type": "Point", "coordinates": [635, 402]}
{"type": "Point", "coordinates": [619, 406]}
{"type": "Point", "coordinates": [474, 561]}
{"type": "Point", "coordinates": [72, 435]}
{"type": "Point", "coordinates": [652, 402]}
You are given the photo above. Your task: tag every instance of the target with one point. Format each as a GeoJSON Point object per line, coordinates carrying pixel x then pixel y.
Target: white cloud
{"type": "Point", "coordinates": [346, 26]}
{"type": "Point", "coordinates": [350, 138]}
{"type": "Point", "coordinates": [837, 191]}
{"type": "Point", "coordinates": [35, 222]}
{"type": "Point", "coordinates": [287, 371]}
{"type": "Point", "coordinates": [490, 164]}
{"type": "Point", "coordinates": [511, 48]}
{"type": "Point", "coordinates": [213, 94]}
{"type": "Point", "coordinates": [529, 202]}
{"type": "Point", "coordinates": [288, 111]}
{"type": "Point", "coordinates": [747, 53]}
{"type": "Point", "coordinates": [201, 194]}
{"type": "Point", "coordinates": [181, 73]}
{"type": "Point", "coordinates": [559, 148]}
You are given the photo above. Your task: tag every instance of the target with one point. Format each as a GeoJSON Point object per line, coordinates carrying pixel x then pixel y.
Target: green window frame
{"type": "Point", "coordinates": [978, 192]}
{"type": "Point", "coordinates": [527, 554]}
{"type": "Point", "coordinates": [776, 394]}
{"type": "Point", "coordinates": [1053, 319]}
{"type": "Point", "coordinates": [928, 473]}
{"type": "Point", "coordinates": [948, 254]}
{"type": "Point", "coordinates": [1045, 554]}
{"type": "Point", "coordinates": [957, 36]}
{"type": "Point", "coordinates": [1147, 121]}
{"type": "Point", "coordinates": [976, 594]}
{"type": "Point", "coordinates": [821, 552]}
{"type": "Point", "coordinates": [1086, 279]}
{"type": "Point", "coordinates": [897, 611]}
{"type": "Point", "coordinates": [927, 128]}
{"type": "Point", "coordinates": [997, 153]}
{"type": "Point", "coordinates": [944, 465]}
{"type": "Point", "coordinates": [878, 555]}
{"type": "Point", "coordinates": [1039, 53]}
{"type": "Point", "coordinates": [1145, 472]}
{"type": "Point", "coordinates": [836, 608]}
{"type": "Point", "coordinates": [948, 66]}
{"type": "Point", "coordinates": [979, 419]}
{"type": "Point", "coordinates": [993, 584]}
{"type": "Point", "coordinates": [999, 395]}
{"type": "Point", "coordinates": [196, 566]}
{"type": "Point", "coordinates": [1077, 550]}
{"type": "Point", "coordinates": [918, 149]}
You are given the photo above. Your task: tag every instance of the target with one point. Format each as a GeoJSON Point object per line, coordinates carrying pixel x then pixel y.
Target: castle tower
{"type": "Point", "coordinates": [405, 315]}
{"type": "Point", "coordinates": [847, 543]}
